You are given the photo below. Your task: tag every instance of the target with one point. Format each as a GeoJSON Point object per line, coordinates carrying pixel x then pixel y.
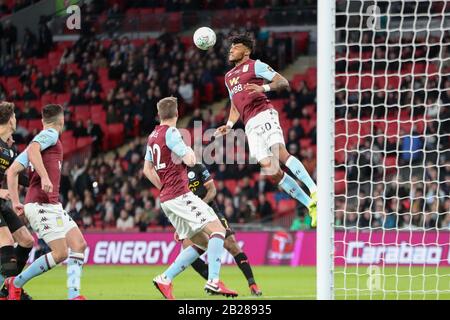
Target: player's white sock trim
{"type": "Point", "coordinates": [51, 262]}
{"type": "Point", "coordinates": [76, 255]}
{"type": "Point", "coordinates": [218, 233]}
{"type": "Point", "coordinates": [282, 179]}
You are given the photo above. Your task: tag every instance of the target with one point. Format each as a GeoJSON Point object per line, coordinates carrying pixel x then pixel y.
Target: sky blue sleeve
{"type": "Point", "coordinates": [23, 158]}
{"type": "Point", "coordinates": [263, 70]}
{"type": "Point", "coordinates": [148, 154]}
{"type": "Point", "coordinates": [46, 138]}
{"type": "Point", "coordinates": [175, 142]}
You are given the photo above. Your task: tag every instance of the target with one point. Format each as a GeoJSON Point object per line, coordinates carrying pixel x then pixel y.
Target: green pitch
{"type": "Point", "coordinates": [135, 283]}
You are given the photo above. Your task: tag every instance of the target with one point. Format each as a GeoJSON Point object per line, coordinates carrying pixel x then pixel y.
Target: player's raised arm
{"type": "Point", "coordinates": [12, 178]}
{"type": "Point", "coordinates": [42, 141]}
{"type": "Point", "coordinates": [276, 81]}
{"type": "Point", "coordinates": [149, 170]}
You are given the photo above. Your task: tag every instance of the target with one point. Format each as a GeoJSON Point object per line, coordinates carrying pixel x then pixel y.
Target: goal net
{"type": "Point", "coordinates": [392, 150]}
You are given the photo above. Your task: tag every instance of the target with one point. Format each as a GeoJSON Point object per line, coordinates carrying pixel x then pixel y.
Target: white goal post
{"type": "Point", "coordinates": [383, 149]}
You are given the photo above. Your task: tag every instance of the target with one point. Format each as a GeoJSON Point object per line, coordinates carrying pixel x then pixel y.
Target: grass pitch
{"type": "Point", "coordinates": [280, 282]}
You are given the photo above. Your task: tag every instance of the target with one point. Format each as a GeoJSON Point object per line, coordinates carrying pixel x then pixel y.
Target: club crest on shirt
{"type": "Point", "coordinates": [245, 68]}
{"type": "Point", "coordinates": [191, 175]}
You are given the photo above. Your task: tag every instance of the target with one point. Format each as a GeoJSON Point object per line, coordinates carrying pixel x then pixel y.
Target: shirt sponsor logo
{"type": "Point", "coordinates": [234, 81]}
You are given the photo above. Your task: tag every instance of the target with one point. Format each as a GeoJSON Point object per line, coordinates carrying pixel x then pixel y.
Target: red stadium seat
{"type": "Point", "coordinates": [34, 124]}
{"type": "Point", "coordinates": [231, 184]}
{"type": "Point", "coordinates": [339, 181]}
{"type": "Point", "coordinates": [82, 113]}
{"type": "Point", "coordinates": [286, 206]}
{"type": "Point", "coordinates": [62, 98]}
{"type": "Point", "coordinates": [96, 109]}
{"type": "Point", "coordinates": [48, 98]}
{"type": "Point", "coordinates": [116, 134]}
{"type": "Point", "coordinates": [83, 142]}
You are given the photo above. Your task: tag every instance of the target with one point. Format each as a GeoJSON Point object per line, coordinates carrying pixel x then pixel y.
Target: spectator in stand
{"type": "Point", "coordinates": [79, 130]}
{"type": "Point", "coordinates": [10, 36]}
{"type": "Point", "coordinates": [28, 94]}
{"type": "Point", "coordinates": [95, 131]}
{"type": "Point", "coordinates": [4, 9]}
{"type": "Point", "coordinates": [45, 36]}
{"type": "Point", "coordinates": [264, 208]}
{"type": "Point", "coordinates": [125, 221]}
{"type": "Point", "coordinates": [114, 19]}
{"type": "Point", "coordinates": [29, 112]}
{"type": "Point", "coordinates": [77, 98]}
{"type": "Point", "coordinates": [186, 91]}
{"type": "Point", "coordinates": [15, 96]}
{"type": "Point", "coordinates": [29, 46]}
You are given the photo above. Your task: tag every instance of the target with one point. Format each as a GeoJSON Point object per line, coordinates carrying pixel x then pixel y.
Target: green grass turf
{"type": "Point", "coordinates": [283, 282]}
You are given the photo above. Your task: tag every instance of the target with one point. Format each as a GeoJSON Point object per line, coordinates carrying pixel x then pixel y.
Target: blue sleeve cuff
{"type": "Point", "coordinates": [148, 154]}
{"type": "Point", "coordinates": [23, 158]}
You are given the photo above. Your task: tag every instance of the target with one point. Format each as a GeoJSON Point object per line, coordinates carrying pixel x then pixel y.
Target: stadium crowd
{"type": "Point", "coordinates": [100, 193]}
{"type": "Point", "coordinates": [396, 173]}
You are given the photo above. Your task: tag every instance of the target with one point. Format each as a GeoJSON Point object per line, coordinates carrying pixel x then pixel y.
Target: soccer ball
{"type": "Point", "coordinates": [204, 38]}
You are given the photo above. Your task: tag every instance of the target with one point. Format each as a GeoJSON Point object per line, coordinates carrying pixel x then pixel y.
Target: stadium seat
{"type": "Point", "coordinates": [34, 124]}
{"type": "Point", "coordinates": [63, 98]}
{"type": "Point", "coordinates": [231, 184]}
{"type": "Point", "coordinates": [339, 181]}
{"type": "Point", "coordinates": [82, 112]}
{"type": "Point", "coordinates": [47, 99]}
{"type": "Point", "coordinates": [96, 108]}
{"type": "Point", "coordinates": [286, 206]}
{"type": "Point", "coordinates": [83, 142]}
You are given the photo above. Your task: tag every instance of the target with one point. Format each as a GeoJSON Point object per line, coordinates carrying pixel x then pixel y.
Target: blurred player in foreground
{"type": "Point", "coordinates": [43, 209]}
{"type": "Point", "coordinates": [12, 229]}
{"type": "Point", "coordinates": [165, 166]}
{"type": "Point", "coordinates": [245, 84]}
{"type": "Point", "coordinates": [202, 185]}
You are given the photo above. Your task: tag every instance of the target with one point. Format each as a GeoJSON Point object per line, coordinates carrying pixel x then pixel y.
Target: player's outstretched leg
{"type": "Point", "coordinates": [242, 262]}
{"type": "Point", "coordinates": [77, 245]}
{"type": "Point", "coordinates": [302, 174]}
{"type": "Point", "coordinates": [184, 259]}
{"type": "Point", "coordinates": [39, 266]}
{"type": "Point", "coordinates": [289, 185]}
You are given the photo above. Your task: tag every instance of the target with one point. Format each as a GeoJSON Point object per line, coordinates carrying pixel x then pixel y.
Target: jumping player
{"type": "Point", "coordinates": [202, 185]}
{"type": "Point", "coordinates": [12, 229]}
{"type": "Point", "coordinates": [43, 209]}
{"type": "Point", "coordinates": [165, 166]}
{"type": "Point", "coordinates": [245, 84]}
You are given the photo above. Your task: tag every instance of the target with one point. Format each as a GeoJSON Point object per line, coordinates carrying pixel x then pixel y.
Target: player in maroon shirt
{"type": "Point", "coordinates": [165, 166]}
{"type": "Point", "coordinates": [245, 83]}
{"type": "Point", "coordinates": [43, 209]}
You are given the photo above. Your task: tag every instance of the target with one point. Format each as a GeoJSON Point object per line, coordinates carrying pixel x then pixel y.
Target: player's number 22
{"type": "Point", "coordinates": [156, 151]}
